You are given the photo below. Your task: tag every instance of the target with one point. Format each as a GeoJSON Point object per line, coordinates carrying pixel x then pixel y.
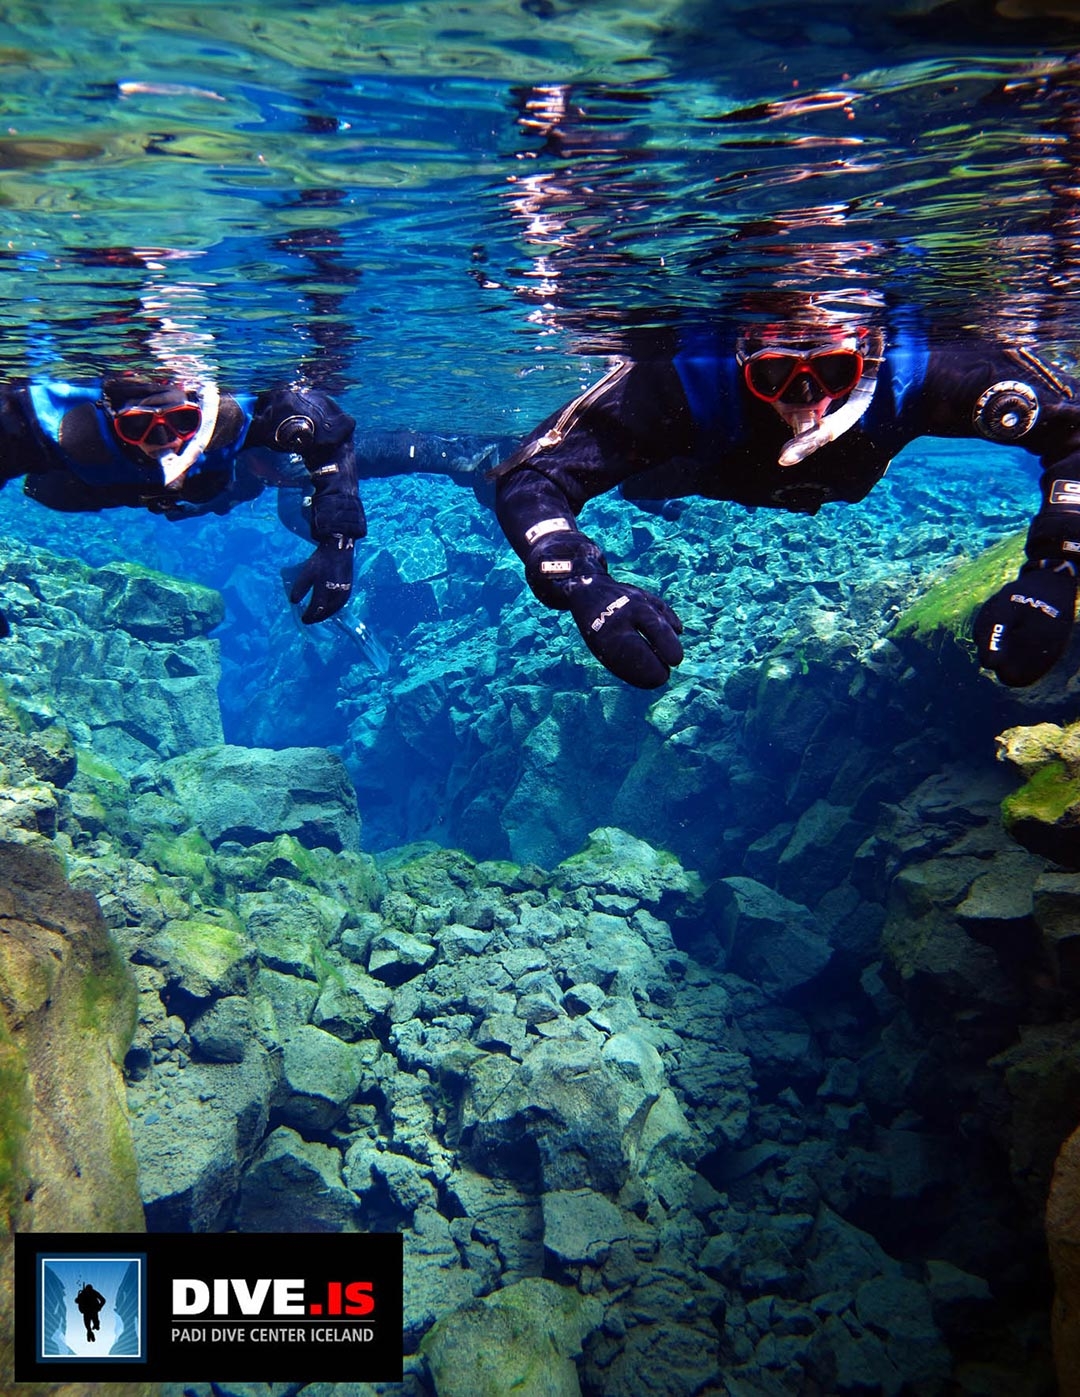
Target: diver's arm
{"type": "Point", "coordinates": [21, 450]}
{"type": "Point", "coordinates": [570, 459]}
{"type": "Point", "coordinates": [308, 423]}
{"type": "Point", "coordinates": [1011, 397]}
{"type": "Point", "coordinates": [465, 459]}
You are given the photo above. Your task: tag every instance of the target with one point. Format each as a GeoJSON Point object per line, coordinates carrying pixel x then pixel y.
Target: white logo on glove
{"type": "Point", "coordinates": [608, 612]}
{"type": "Point", "coordinates": [1037, 604]}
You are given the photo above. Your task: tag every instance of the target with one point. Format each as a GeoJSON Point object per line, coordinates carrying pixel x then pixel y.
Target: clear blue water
{"type": "Point", "coordinates": [449, 216]}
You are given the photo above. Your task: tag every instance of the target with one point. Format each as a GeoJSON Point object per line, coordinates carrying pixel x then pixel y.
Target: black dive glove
{"type": "Point", "coordinates": [631, 632]}
{"type": "Point", "coordinates": [328, 576]}
{"type": "Point", "coordinates": [1022, 631]}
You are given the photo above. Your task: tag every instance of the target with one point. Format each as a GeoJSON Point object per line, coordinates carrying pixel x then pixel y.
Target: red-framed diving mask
{"type": "Point", "coordinates": [820, 384]}
{"type": "Point", "coordinates": [798, 377]}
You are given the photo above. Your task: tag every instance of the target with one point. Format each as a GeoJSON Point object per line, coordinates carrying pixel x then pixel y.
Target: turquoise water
{"type": "Point", "coordinates": [860, 1049]}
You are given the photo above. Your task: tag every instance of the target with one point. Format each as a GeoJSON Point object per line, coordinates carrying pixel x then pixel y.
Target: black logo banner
{"type": "Point", "coordinates": [165, 1307]}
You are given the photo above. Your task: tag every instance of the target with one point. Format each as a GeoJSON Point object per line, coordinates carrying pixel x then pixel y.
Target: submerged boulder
{"type": "Point", "coordinates": [154, 606]}
{"type": "Point", "coordinates": [1044, 815]}
{"type": "Point", "coordinates": [614, 861]}
{"type": "Point", "coordinates": [1063, 1240]}
{"type": "Point", "coordinates": [567, 1112]}
{"type": "Point", "coordinates": [67, 1013]}
{"type": "Point", "coordinates": [522, 1339]}
{"type": "Point", "coordinates": [250, 795]}
{"type": "Point", "coordinates": [773, 942]}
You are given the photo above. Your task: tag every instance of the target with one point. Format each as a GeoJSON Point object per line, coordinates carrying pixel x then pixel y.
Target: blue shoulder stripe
{"type": "Point", "coordinates": [907, 355]}
{"type": "Point", "coordinates": [50, 399]}
{"type": "Point", "coordinates": [705, 363]}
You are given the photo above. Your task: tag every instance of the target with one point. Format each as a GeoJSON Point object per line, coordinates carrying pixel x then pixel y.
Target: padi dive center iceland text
{"type": "Point", "coordinates": [253, 1307]}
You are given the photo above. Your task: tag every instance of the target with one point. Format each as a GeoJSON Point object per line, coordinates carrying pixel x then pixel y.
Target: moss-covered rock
{"type": "Point", "coordinates": [67, 1015]}
{"type": "Point", "coordinates": [945, 612]}
{"type": "Point", "coordinates": [522, 1339]}
{"type": "Point", "coordinates": [184, 855]}
{"type": "Point", "coordinates": [615, 861]}
{"type": "Point", "coordinates": [1044, 814]}
{"type": "Point", "coordinates": [154, 606]}
{"type": "Point", "coordinates": [206, 955]}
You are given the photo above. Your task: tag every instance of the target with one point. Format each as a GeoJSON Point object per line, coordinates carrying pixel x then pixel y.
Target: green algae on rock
{"type": "Point", "coordinates": [522, 1339]}
{"type": "Point", "coordinates": [1044, 814]}
{"type": "Point", "coordinates": [67, 1015]}
{"type": "Point", "coordinates": [947, 609]}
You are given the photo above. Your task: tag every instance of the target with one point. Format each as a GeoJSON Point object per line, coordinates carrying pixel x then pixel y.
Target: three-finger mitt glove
{"type": "Point", "coordinates": [630, 631]}
{"type": "Point", "coordinates": [1022, 631]}
{"type": "Point", "coordinates": [328, 576]}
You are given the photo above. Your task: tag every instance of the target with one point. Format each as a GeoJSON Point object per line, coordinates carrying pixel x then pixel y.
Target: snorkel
{"type": "Point", "coordinates": [820, 382]}
{"type": "Point", "coordinates": [146, 417]}
{"type": "Point", "coordinates": [176, 464]}
{"type": "Point", "coordinates": [818, 433]}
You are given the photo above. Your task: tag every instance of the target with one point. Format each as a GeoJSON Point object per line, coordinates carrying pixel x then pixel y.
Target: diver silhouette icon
{"type": "Point", "coordinates": [89, 1303]}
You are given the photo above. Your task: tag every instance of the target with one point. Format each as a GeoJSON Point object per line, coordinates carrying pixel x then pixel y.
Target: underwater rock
{"type": "Point", "coordinates": [221, 1034]}
{"type": "Point", "coordinates": [774, 943]}
{"type": "Point", "coordinates": [559, 1112]}
{"type": "Point", "coordinates": [1044, 815]}
{"type": "Point", "coordinates": [133, 677]}
{"type": "Point", "coordinates": [1042, 1074]}
{"type": "Point", "coordinates": [351, 1005]}
{"type": "Point", "coordinates": [195, 1135]}
{"type": "Point", "coordinates": [1056, 911]}
{"type": "Point", "coordinates": [581, 1226]}
{"type": "Point", "coordinates": [202, 957]}
{"type": "Point", "coordinates": [319, 1077]}
{"type": "Point", "coordinates": [67, 1006]}
{"type": "Point", "coordinates": [437, 1280]}
{"type": "Point", "coordinates": [251, 795]}
{"type": "Point", "coordinates": [295, 1185]}
{"type": "Point", "coordinates": [929, 949]}
{"type": "Point", "coordinates": [614, 861]}
{"type": "Point", "coordinates": [942, 617]}
{"type": "Point", "coordinates": [154, 606]}
{"type": "Point", "coordinates": [397, 956]}
{"type": "Point", "coordinates": [290, 924]}
{"type": "Point", "coordinates": [1063, 1240]}
{"type": "Point", "coordinates": [819, 853]}
{"type": "Point", "coordinates": [503, 1217]}
{"type": "Point", "coordinates": [523, 1339]}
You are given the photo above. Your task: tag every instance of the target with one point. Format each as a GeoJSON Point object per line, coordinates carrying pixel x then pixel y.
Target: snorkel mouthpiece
{"type": "Point", "coordinates": [816, 434]}
{"type": "Point", "coordinates": [817, 431]}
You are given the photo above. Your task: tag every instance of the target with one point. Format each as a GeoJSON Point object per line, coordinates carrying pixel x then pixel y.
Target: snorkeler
{"type": "Point", "coordinates": [792, 416]}
{"type": "Point", "coordinates": [175, 449]}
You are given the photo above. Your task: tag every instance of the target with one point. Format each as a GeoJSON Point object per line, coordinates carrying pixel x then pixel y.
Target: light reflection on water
{"type": "Point", "coordinates": [427, 208]}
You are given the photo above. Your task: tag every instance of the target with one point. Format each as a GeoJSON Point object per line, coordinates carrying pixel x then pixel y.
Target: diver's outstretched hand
{"type": "Point", "coordinates": [328, 576]}
{"type": "Point", "coordinates": [1022, 631]}
{"type": "Point", "coordinates": [630, 631]}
